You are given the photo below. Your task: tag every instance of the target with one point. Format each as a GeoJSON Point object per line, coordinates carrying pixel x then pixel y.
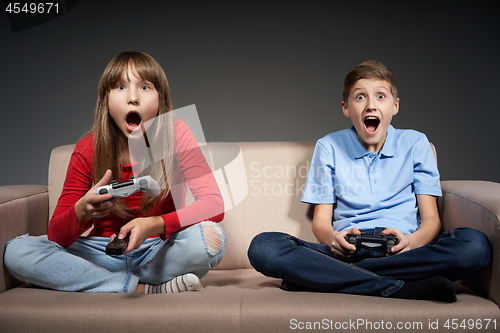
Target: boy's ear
{"type": "Point", "coordinates": [345, 110]}
{"type": "Point", "coordinates": [396, 107]}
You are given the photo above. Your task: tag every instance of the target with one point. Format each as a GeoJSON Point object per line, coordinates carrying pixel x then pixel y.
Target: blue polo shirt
{"type": "Point", "coordinates": [371, 190]}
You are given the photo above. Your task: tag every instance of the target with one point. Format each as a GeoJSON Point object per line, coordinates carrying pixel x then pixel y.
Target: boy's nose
{"type": "Point", "coordinates": [370, 104]}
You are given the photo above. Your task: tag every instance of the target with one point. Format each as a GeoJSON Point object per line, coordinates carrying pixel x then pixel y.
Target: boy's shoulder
{"type": "Point", "coordinates": [409, 137]}
{"type": "Point", "coordinates": [409, 133]}
{"type": "Point", "coordinates": [338, 136]}
{"type": "Point", "coordinates": [335, 141]}
{"type": "Point", "coordinates": [340, 133]}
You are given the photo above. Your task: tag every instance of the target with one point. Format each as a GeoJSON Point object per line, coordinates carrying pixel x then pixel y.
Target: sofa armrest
{"type": "Point", "coordinates": [23, 209]}
{"type": "Point", "coordinates": [476, 204]}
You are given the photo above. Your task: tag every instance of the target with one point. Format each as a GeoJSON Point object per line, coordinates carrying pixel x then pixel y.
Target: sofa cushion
{"type": "Point", "coordinates": [232, 301]}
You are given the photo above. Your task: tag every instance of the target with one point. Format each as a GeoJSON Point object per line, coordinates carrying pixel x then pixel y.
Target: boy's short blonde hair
{"type": "Point", "coordinates": [370, 69]}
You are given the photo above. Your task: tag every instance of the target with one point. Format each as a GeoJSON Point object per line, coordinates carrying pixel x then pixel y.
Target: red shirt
{"type": "Point", "coordinates": [193, 171]}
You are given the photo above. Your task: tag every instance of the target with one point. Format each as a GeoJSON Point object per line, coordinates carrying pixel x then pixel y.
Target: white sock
{"type": "Point", "coordinates": [186, 282]}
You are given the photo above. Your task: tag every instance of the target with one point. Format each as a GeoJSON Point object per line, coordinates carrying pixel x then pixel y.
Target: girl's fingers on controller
{"type": "Point", "coordinates": [98, 198]}
{"type": "Point", "coordinates": [105, 179]}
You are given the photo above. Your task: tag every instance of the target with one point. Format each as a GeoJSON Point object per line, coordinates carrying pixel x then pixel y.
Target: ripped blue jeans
{"type": "Point", "coordinates": [84, 265]}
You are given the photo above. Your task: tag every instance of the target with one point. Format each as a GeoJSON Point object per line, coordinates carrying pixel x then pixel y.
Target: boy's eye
{"type": "Point", "coordinates": [360, 97]}
{"type": "Point", "coordinates": [380, 96]}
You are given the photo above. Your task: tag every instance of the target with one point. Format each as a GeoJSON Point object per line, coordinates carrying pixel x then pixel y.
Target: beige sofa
{"type": "Point", "coordinates": [236, 298]}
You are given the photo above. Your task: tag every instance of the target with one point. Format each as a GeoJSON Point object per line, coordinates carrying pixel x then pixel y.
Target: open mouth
{"type": "Point", "coordinates": [371, 124]}
{"type": "Point", "coordinates": [133, 119]}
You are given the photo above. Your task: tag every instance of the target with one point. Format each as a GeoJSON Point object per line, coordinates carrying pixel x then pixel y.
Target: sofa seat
{"type": "Point", "coordinates": [240, 300]}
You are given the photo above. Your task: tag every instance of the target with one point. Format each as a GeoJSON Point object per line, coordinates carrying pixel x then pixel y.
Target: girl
{"type": "Point", "coordinates": [165, 253]}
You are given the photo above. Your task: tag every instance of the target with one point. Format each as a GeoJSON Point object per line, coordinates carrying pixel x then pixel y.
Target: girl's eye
{"type": "Point", "coordinates": [147, 85]}
{"type": "Point", "coordinates": [120, 86]}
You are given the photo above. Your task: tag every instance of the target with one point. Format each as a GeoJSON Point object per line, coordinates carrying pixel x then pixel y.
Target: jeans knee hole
{"type": "Point", "coordinates": [212, 233]}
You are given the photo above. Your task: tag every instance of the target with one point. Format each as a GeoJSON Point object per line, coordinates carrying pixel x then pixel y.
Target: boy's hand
{"type": "Point", "coordinates": [405, 241]}
{"type": "Point", "coordinates": [140, 229]}
{"type": "Point", "coordinates": [340, 246]}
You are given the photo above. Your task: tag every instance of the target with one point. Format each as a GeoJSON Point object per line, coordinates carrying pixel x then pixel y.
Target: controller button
{"type": "Point", "coordinates": [143, 185]}
{"type": "Point", "coordinates": [103, 191]}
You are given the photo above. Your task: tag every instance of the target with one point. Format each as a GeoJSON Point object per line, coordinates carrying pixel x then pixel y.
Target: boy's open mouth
{"type": "Point", "coordinates": [371, 124]}
{"type": "Point", "coordinates": [133, 119]}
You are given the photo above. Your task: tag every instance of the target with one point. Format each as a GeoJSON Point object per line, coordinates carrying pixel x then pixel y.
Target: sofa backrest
{"type": "Point", "coordinates": [267, 200]}
{"type": "Point", "coordinates": [58, 165]}
{"type": "Point", "coordinates": [276, 173]}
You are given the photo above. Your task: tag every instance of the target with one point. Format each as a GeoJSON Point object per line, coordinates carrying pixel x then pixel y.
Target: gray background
{"type": "Point", "coordinates": [258, 73]}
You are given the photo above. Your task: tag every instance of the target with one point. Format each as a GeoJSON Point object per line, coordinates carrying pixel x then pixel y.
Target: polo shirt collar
{"type": "Point", "coordinates": [358, 150]}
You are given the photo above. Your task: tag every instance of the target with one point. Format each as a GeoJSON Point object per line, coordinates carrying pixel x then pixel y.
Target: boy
{"type": "Point", "coordinates": [374, 180]}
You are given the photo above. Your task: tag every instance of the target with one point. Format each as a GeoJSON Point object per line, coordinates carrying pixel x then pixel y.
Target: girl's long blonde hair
{"type": "Point", "coordinates": [107, 144]}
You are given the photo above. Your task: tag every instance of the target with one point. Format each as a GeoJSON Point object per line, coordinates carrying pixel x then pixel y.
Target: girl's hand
{"type": "Point", "coordinates": [340, 247]}
{"type": "Point", "coordinates": [405, 241]}
{"type": "Point", "coordinates": [93, 205]}
{"type": "Point", "coordinates": [141, 229]}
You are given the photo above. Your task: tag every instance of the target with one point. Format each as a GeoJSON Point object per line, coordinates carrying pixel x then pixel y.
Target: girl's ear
{"type": "Point", "coordinates": [345, 110]}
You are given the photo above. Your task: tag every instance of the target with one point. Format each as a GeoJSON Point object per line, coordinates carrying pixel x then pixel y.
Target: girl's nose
{"type": "Point", "coordinates": [133, 98]}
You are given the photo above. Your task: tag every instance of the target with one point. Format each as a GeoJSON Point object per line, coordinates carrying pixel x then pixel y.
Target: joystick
{"type": "Point", "coordinates": [117, 246]}
{"type": "Point", "coordinates": [145, 184]}
{"type": "Point", "coordinates": [372, 243]}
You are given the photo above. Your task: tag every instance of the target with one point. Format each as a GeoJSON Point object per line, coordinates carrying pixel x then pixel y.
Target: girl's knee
{"type": "Point", "coordinates": [213, 236]}
{"type": "Point", "coordinates": [18, 250]}
{"type": "Point", "coordinates": [16, 247]}
{"type": "Point", "coordinates": [214, 240]}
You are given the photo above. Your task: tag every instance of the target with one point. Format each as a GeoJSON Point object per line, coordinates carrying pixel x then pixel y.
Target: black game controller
{"type": "Point", "coordinates": [117, 246]}
{"type": "Point", "coordinates": [372, 243]}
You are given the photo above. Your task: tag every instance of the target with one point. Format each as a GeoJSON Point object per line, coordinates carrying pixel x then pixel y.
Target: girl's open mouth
{"type": "Point", "coordinates": [133, 119]}
{"type": "Point", "coordinates": [371, 124]}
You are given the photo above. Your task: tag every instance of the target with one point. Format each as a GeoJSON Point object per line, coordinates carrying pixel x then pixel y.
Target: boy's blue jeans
{"type": "Point", "coordinates": [84, 265]}
{"type": "Point", "coordinates": [455, 254]}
